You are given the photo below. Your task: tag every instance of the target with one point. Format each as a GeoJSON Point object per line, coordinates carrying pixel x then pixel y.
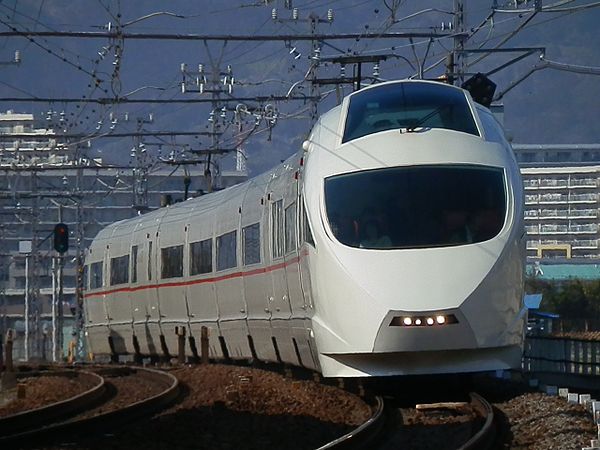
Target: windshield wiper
{"type": "Point", "coordinates": [420, 122]}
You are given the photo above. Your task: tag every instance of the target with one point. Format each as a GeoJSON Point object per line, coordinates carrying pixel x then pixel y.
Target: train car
{"type": "Point", "coordinates": [392, 243]}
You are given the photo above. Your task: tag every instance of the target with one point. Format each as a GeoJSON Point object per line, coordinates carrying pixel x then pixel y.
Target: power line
{"type": "Point", "coordinates": [226, 37]}
{"type": "Point", "coordinates": [121, 100]}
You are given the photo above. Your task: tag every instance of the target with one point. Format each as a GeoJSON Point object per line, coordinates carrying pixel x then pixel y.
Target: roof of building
{"type": "Point", "coordinates": [562, 169]}
{"type": "Point", "coordinates": [564, 271]}
{"type": "Point", "coordinates": [12, 116]}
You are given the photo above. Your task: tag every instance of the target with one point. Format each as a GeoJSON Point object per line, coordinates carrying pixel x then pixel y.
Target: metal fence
{"type": "Point", "coordinates": [568, 356]}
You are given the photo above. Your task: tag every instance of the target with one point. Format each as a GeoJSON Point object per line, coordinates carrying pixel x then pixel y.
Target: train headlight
{"type": "Point", "coordinates": [430, 321]}
{"type": "Point", "coordinates": [418, 322]}
{"type": "Point", "coordinates": [407, 321]}
{"type": "Point", "coordinates": [440, 320]}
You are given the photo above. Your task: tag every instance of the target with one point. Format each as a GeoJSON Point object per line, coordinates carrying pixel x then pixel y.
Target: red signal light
{"type": "Point", "coordinates": [61, 237]}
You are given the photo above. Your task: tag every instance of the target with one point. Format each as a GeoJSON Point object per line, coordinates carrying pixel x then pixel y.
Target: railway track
{"type": "Point", "coordinates": [465, 425]}
{"type": "Point", "coordinates": [110, 402]}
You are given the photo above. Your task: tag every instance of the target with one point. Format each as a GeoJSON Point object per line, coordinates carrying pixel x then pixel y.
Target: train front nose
{"type": "Point", "coordinates": [473, 299]}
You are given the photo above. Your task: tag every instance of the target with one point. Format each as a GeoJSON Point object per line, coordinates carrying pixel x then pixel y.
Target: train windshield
{"type": "Point", "coordinates": [408, 106]}
{"type": "Point", "coordinates": [415, 207]}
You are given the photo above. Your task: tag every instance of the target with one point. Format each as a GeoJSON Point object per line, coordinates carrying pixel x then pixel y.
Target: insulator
{"type": "Point", "coordinates": [298, 55]}
{"type": "Point", "coordinates": [223, 112]}
{"type": "Point", "coordinates": [295, 14]}
{"type": "Point", "coordinates": [343, 71]}
{"type": "Point", "coordinates": [293, 50]}
{"type": "Point", "coordinates": [229, 69]}
{"type": "Point", "coordinates": [317, 54]}
{"type": "Point", "coordinates": [151, 117]}
{"type": "Point", "coordinates": [288, 4]}
{"type": "Point", "coordinates": [183, 67]}
{"type": "Point", "coordinates": [183, 87]}
{"type": "Point", "coordinates": [330, 15]}
{"type": "Point", "coordinates": [17, 56]}
{"type": "Point", "coordinates": [201, 69]}
{"type": "Point", "coordinates": [376, 70]}
{"type": "Point", "coordinates": [126, 117]}
{"type": "Point", "coordinates": [274, 14]}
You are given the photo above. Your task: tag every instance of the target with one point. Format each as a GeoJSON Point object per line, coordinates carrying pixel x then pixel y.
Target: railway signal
{"type": "Point", "coordinates": [61, 237]}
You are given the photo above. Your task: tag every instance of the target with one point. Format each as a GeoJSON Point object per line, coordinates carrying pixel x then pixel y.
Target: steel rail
{"type": "Point", "coordinates": [484, 438]}
{"type": "Point", "coordinates": [363, 434]}
{"type": "Point", "coordinates": [107, 421]}
{"type": "Point", "coordinates": [32, 419]}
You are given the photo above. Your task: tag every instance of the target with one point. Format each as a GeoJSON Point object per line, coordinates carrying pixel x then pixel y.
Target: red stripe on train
{"type": "Point", "coordinates": [201, 281]}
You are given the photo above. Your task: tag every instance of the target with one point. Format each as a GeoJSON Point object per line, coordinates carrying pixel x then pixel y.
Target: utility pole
{"type": "Point", "coordinates": [315, 52]}
{"type": "Point", "coordinates": [458, 55]}
{"type": "Point", "coordinates": [140, 172]}
{"type": "Point", "coordinates": [215, 83]}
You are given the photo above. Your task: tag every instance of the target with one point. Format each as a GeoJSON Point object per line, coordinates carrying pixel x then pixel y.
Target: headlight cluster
{"type": "Point", "coordinates": [424, 321]}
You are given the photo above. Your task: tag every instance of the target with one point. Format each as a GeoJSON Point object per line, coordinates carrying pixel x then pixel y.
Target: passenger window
{"type": "Point", "coordinates": [410, 106]}
{"type": "Point", "coordinates": [201, 257]}
{"type": "Point", "coordinates": [96, 275]}
{"type": "Point", "coordinates": [119, 270]}
{"type": "Point", "coordinates": [134, 263]}
{"type": "Point", "coordinates": [277, 228]}
{"type": "Point", "coordinates": [171, 262]}
{"type": "Point", "coordinates": [251, 244]}
{"type": "Point", "coordinates": [305, 232]}
{"type": "Point", "coordinates": [416, 207]}
{"type": "Point", "coordinates": [226, 251]}
{"type": "Point", "coordinates": [290, 228]}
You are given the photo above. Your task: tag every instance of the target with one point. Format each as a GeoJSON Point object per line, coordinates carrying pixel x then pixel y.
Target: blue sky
{"type": "Point", "coordinates": [549, 107]}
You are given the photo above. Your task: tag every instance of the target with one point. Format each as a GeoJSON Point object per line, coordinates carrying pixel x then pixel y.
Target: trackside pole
{"type": "Point", "coordinates": [204, 345]}
{"type": "Point", "coordinates": [180, 331]}
{"type": "Point", "coordinates": [8, 378]}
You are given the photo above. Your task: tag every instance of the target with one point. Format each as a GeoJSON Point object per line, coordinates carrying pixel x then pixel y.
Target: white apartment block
{"type": "Point", "coordinates": [562, 200]}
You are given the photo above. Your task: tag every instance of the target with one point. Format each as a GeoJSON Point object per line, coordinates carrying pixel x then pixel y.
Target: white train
{"type": "Point", "coordinates": [393, 243]}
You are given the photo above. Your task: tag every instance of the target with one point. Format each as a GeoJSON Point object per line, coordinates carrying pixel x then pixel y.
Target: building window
{"type": "Point", "coordinates": [201, 257]}
{"type": "Point", "coordinates": [290, 228]}
{"type": "Point", "coordinates": [134, 263]}
{"type": "Point", "coordinates": [96, 275]}
{"type": "Point", "coordinates": [119, 270]}
{"type": "Point", "coordinates": [171, 262]}
{"type": "Point", "coordinates": [251, 244]}
{"type": "Point", "coordinates": [527, 157]}
{"type": "Point", "coordinates": [226, 251]}
{"type": "Point", "coordinates": [277, 228]}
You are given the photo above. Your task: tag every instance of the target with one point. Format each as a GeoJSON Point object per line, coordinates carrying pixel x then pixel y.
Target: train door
{"type": "Point", "coordinates": [151, 329]}
{"type": "Point", "coordinates": [117, 298]}
{"type": "Point", "coordinates": [299, 331]}
{"type": "Point", "coordinates": [137, 282]}
{"type": "Point", "coordinates": [170, 273]}
{"type": "Point", "coordinates": [256, 280]}
{"type": "Point", "coordinates": [307, 252]}
{"type": "Point", "coordinates": [279, 302]}
{"type": "Point", "coordinates": [228, 278]}
{"type": "Point", "coordinates": [96, 315]}
{"type": "Point", "coordinates": [200, 291]}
